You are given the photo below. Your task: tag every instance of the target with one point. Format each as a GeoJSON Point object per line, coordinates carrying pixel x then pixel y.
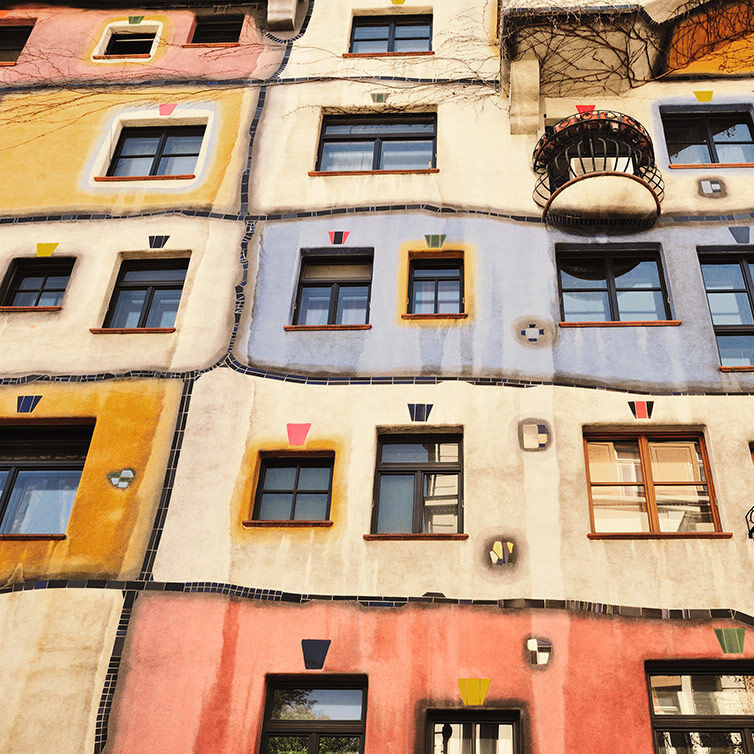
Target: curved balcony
{"type": "Point", "coordinates": [598, 171]}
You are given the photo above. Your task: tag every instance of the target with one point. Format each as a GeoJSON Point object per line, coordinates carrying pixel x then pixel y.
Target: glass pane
{"type": "Point", "coordinates": [275, 506]}
{"type": "Point", "coordinates": [41, 502]}
{"type": "Point", "coordinates": [702, 694]}
{"type": "Point", "coordinates": [700, 742]}
{"type": "Point", "coordinates": [472, 738]}
{"type": "Point", "coordinates": [331, 270]}
{"type": "Point", "coordinates": [687, 130]}
{"type": "Point", "coordinates": [630, 274]}
{"type": "Point", "coordinates": [676, 461]}
{"type": "Point", "coordinates": [316, 704]}
{"type": "Point", "coordinates": [730, 308]}
{"type": "Point", "coordinates": [583, 273]}
{"type": "Point", "coordinates": [614, 461]}
{"type": "Point", "coordinates": [684, 508]}
{"type": "Point", "coordinates": [369, 46]}
{"type": "Point", "coordinates": [314, 478]}
{"type": "Point", "coordinates": [406, 155]}
{"type": "Point", "coordinates": [140, 146]}
{"type": "Point", "coordinates": [311, 507]}
{"type": "Point", "coordinates": [723, 277]}
{"type": "Point", "coordinates": [314, 307]}
{"type": "Point", "coordinates": [347, 156]}
{"type": "Point", "coordinates": [371, 32]}
{"type": "Point", "coordinates": [339, 744]}
{"type": "Point", "coordinates": [395, 500]}
{"type": "Point", "coordinates": [586, 307]}
{"type": "Point", "coordinates": [133, 166]}
{"type": "Point", "coordinates": [50, 298]}
{"type": "Point", "coordinates": [423, 297]}
{"type": "Point", "coordinates": [620, 509]}
{"type": "Point", "coordinates": [25, 299]}
{"type": "Point", "coordinates": [56, 282]}
{"type": "Point", "coordinates": [437, 272]}
{"type": "Point", "coordinates": [440, 504]}
{"type": "Point", "coordinates": [381, 129]}
{"type": "Point", "coordinates": [127, 308]}
{"type": "Point", "coordinates": [411, 45]}
{"type": "Point", "coordinates": [637, 306]}
{"type": "Point", "coordinates": [731, 128]}
{"type": "Point", "coordinates": [736, 350]}
{"type": "Point", "coordinates": [176, 165]}
{"type": "Point", "coordinates": [154, 275]}
{"type": "Point", "coordinates": [418, 452]}
{"type": "Point", "coordinates": [448, 296]}
{"type": "Point", "coordinates": [689, 154]}
{"type": "Point", "coordinates": [417, 30]}
{"type": "Point", "coordinates": [735, 153]}
{"type": "Point", "coordinates": [30, 283]}
{"type": "Point", "coordinates": [186, 145]}
{"type": "Point", "coordinates": [352, 305]}
{"type": "Point", "coordinates": [163, 308]}
{"type": "Point", "coordinates": [280, 478]}
{"type": "Point", "coordinates": [3, 480]}
{"type": "Point", "coordinates": [288, 744]}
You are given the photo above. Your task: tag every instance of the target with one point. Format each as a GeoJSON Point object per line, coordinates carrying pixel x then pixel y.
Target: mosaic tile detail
{"type": "Point", "coordinates": [397, 2]}
{"type": "Point", "coordinates": [435, 241]}
{"type": "Point", "coordinates": [157, 242]}
{"type": "Point", "coordinates": [338, 237]}
{"type": "Point", "coordinates": [419, 412]}
{"type": "Point", "coordinates": [297, 433]}
{"type": "Point", "coordinates": [534, 434]}
{"type": "Point", "coordinates": [25, 404]}
{"type": "Point", "coordinates": [167, 108]}
{"type": "Point", "coordinates": [501, 552]}
{"type": "Point", "coordinates": [473, 690]}
{"type": "Point", "coordinates": [46, 249]}
{"type": "Point", "coordinates": [379, 97]}
{"type": "Point", "coordinates": [581, 109]}
{"type": "Point", "coordinates": [750, 523]}
{"type": "Point", "coordinates": [740, 234]}
{"type": "Point", "coordinates": [121, 479]}
{"type": "Point", "coordinates": [731, 640]}
{"type": "Point", "coordinates": [713, 187]}
{"type": "Point", "coordinates": [641, 409]}
{"type": "Point", "coordinates": [539, 650]}
{"type": "Point", "coordinates": [315, 652]}
{"type": "Point", "coordinates": [704, 96]}
{"type": "Point", "coordinates": [134, 20]}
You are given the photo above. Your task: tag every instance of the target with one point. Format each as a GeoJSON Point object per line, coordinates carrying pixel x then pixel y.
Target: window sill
{"type": "Point", "coordinates": [285, 524]}
{"type": "Point", "coordinates": [737, 369]}
{"type": "Point", "coordinates": [296, 328]}
{"type": "Point", "coordinates": [137, 56]}
{"type": "Point", "coordinates": [663, 535]}
{"type": "Point", "coordinates": [421, 537]}
{"type": "Point", "coordinates": [417, 53]}
{"type": "Point", "coordinates": [130, 330]}
{"type": "Point", "coordinates": [121, 178]}
{"type": "Point", "coordinates": [7, 62]}
{"type": "Point", "coordinates": [28, 537]}
{"type": "Point", "coordinates": [638, 323]}
{"type": "Point", "coordinates": [711, 165]}
{"type": "Point", "coordinates": [457, 315]}
{"type": "Point", "coordinates": [10, 309]}
{"type": "Point", "coordinates": [211, 44]}
{"type": "Point", "coordinates": [415, 171]}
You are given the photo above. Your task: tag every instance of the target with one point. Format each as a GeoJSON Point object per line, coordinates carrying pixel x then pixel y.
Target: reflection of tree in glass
{"type": "Point", "coordinates": [294, 704]}
{"type": "Point", "coordinates": [288, 745]}
{"type": "Point", "coordinates": [338, 745]}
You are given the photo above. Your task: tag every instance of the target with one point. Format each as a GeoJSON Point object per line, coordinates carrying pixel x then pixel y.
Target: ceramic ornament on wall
{"type": "Point", "coordinates": [157, 242]}
{"type": "Point", "coordinates": [338, 237]}
{"type": "Point", "coordinates": [641, 409]}
{"type": "Point", "coordinates": [731, 640]}
{"type": "Point", "coordinates": [419, 412]}
{"type": "Point", "coordinates": [25, 404]}
{"type": "Point", "coordinates": [534, 434]}
{"type": "Point", "coordinates": [435, 240]}
{"type": "Point", "coordinates": [121, 479]}
{"type": "Point", "coordinates": [297, 433]}
{"type": "Point", "coordinates": [315, 652]}
{"type": "Point", "coordinates": [473, 690]}
{"type": "Point", "coordinates": [167, 109]}
{"type": "Point", "coordinates": [46, 249]}
{"type": "Point", "coordinates": [740, 235]}
{"type": "Point", "coordinates": [134, 20]}
{"type": "Point", "coordinates": [581, 109]}
{"type": "Point", "coordinates": [703, 96]}
{"type": "Point", "coordinates": [379, 97]}
{"type": "Point", "coordinates": [501, 552]}
{"type": "Point", "coordinates": [539, 650]}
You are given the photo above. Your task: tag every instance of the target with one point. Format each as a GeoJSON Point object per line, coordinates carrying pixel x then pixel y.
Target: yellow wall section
{"type": "Point", "coordinates": [50, 140]}
{"type": "Point", "coordinates": [109, 527]}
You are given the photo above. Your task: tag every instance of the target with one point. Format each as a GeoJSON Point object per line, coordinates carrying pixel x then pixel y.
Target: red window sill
{"type": "Point", "coordinates": [285, 524]}
{"type": "Point", "coordinates": [27, 537]}
{"type": "Point", "coordinates": [390, 537]}
{"type": "Point", "coordinates": [663, 535]}
{"type": "Point", "coordinates": [711, 165]}
{"type": "Point", "coordinates": [7, 62]}
{"type": "Point", "coordinates": [211, 44]}
{"type": "Point", "coordinates": [138, 56]}
{"type": "Point", "coordinates": [120, 178]}
{"type": "Point", "coordinates": [296, 328]}
{"type": "Point", "coordinates": [457, 315]}
{"type": "Point", "coordinates": [645, 323]}
{"type": "Point", "coordinates": [737, 369]}
{"type": "Point", "coordinates": [417, 53]}
{"type": "Point", "coordinates": [416, 171]}
{"type": "Point", "coordinates": [130, 330]}
{"type": "Point", "coordinates": [30, 308]}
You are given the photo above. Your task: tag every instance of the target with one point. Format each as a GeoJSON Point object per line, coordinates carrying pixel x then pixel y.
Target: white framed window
{"type": "Point", "coordinates": [123, 40]}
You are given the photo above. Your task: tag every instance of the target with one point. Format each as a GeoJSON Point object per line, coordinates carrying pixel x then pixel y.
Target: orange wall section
{"type": "Point", "coordinates": [109, 527]}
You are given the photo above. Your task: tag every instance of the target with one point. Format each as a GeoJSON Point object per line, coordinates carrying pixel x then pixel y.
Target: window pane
{"type": "Point", "coordinates": [448, 296]}
{"type": "Point", "coordinates": [583, 273]}
{"type": "Point", "coordinates": [352, 305]}
{"type": "Point", "coordinates": [689, 154]}
{"type": "Point", "coordinates": [50, 298]}
{"type": "Point", "coordinates": [133, 166]}
{"type": "Point", "coordinates": [640, 305]}
{"type": "Point", "coordinates": [736, 350]}
{"type": "Point", "coordinates": [406, 155]}
{"type": "Point", "coordinates": [139, 146]}
{"type": "Point", "coordinates": [684, 508]}
{"type": "Point", "coordinates": [163, 308]}
{"type": "Point", "coordinates": [423, 297]}
{"type": "Point", "coordinates": [735, 153]}
{"type": "Point", "coordinates": [730, 128]}
{"type": "Point", "coordinates": [30, 283]}
{"type": "Point", "coordinates": [689, 130]}
{"type": "Point", "coordinates": [314, 307]}
{"type": "Point", "coordinates": [417, 30]}
{"type": "Point", "coordinates": [311, 507]}
{"type": "Point", "coordinates": [730, 308]}
{"type": "Point", "coordinates": [332, 270]}
{"type": "Point", "coordinates": [127, 309]}
{"type": "Point", "coordinates": [176, 165]}
{"type": "Point", "coordinates": [151, 274]}
{"type": "Point", "coordinates": [395, 501]}
{"type": "Point", "coordinates": [437, 272]}
{"type": "Point", "coordinates": [3, 480]}
{"type": "Point", "coordinates": [702, 694]}
{"type": "Point", "coordinates": [280, 478]}
{"type": "Point", "coordinates": [440, 504]}
{"type": "Point", "coordinates": [314, 478]}
{"type": "Point", "coordinates": [212, 30]}
{"type": "Point", "coordinates": [339, 744]}
{"type": "Point", "coordinates": [723, 277]}
{"type": "Point", "coordinates": [316, 704]}
{"type": "Point", "coordinates": [347, 156]}
{"type": "Point", "coordinates": [586, 307]}
{"type": "Point", "coordinates": [129, 44]}
{"type": "Point", "coordinates": [428, 452]}
{"type": "Point", "coordinates": [614, 461]}
{"type": "Point", "coordinates": [620, 509]}
{"type": "Point", "coordinates": [632, 274]}
{"type": "Point", "coordinates": [676, 461]}
{"type": "Point", "coordinates": [380, 128]}
{"type": "Point", "coordinates": [288, 744]}
{"type": "Point", "coordinates": [472, 738]}
{"type": "Point", "coordinates": [369, 46]}
{"type": "Point", "coordinates": [700, 742]}
{"type": "Point", "coordinates": [41, 502]}
{"type": "Point", "coordinates": [371, 32]}
{"type": "Point", "coordinates": [411, 45]}
{"type": "Point", "coordinates": [57, 282]}
{"type": "Point", "coordinates": [183, 144]}
{"type": "Point", "coordinates": [275, 506]}
{"type": "Point", "coordinates": [25, 299]}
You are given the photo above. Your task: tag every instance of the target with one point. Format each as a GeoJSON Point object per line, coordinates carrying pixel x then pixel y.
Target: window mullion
{"type": "Point", "coordinates": [418, 502]}
{"type": "Point", "coordinates": [295, 492]}
{"type": "Point", "coordinates": [748, 283]}
{"type": "Point", "coordinates": [377, 154]}
{"type": "Point", "coordinates": [710, 141]}
{"type": "Point", "coordinates": [158, 154]}
{"type": "Point", "coordinates": [145, 307]}
{"type": "Point", "coordinates": [5, 497]}
{"type": "Point", "coordinates": [391, 36]}
{"type": "Point", "coordinates": [649, 492]}
{"type": "Point", "coordinates": [333, 309]}
{"type": "Point", "coordinates": [611, 292]}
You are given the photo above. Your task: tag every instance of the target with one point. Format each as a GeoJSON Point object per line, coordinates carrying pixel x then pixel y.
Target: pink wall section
{"type": "Point", "coordinates": [193, 674]}
{"type": "Point", "coordinates": [62, 41]}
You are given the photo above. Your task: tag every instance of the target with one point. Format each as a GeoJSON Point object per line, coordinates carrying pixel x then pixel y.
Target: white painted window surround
{"type": "Point", "coordinates": [123, 26]}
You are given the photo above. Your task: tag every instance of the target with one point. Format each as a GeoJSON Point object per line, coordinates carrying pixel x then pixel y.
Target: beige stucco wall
{"type": "Point", "coordinates": [54, 655]}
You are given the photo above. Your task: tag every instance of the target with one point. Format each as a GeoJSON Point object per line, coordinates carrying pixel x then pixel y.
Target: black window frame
{"type": "Point", "coordinates": [10, 43]}
{"type": "Point", "coordinates": [435, 263]}
{"type": "Point", "coordinates": [392, 22]}
{"type": "Point", "coordinates": [705, 116]}
{"type": "Point", "coordinates": [45, 439]}
{"type": "Point", "coordinates": [419, 470]}
{"type": "Point", "coordinates": [352, 257]}
{"type": "Point", "coordinates": [610, 253]}
{"type": "Point", "coordinates": [163, 132]}
{"type": "Point", "coordinates": [125, 37]}
{"type": "Point", "coordinates": [743, 256]}
{"type": "Point", "coordinates": [377, 138]}
{"type": "Point", "coordinates": [510, 716]}
{"type": "Point", "coordinates": [297, 460]}
{"type": "Point", "coordinates": [127, 265]}
{"type": "Point", "coordinates": [224, 24]}
{"type": "Point", "coordinates": [21, 268]}
{"type": "Point", "coordinates": [314, 728]}
{"type": "Point", "coordinates": [702, 723]}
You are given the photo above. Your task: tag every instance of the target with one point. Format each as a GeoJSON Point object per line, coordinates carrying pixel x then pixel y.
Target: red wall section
{"type": "Point", "coordinates": [193, 674]}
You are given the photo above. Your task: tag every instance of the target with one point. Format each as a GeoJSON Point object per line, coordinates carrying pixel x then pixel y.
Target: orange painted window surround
{"type": "Point", "coordinates": [11, 309]}
{"type": "Point", "coordinates": [120, 178]}
{"type": "Point", "coordinates": [130, 330]}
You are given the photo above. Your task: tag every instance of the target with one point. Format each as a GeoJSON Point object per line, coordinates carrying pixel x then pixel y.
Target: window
{"type": "Point", "coordinates": [36, 283]}
{"type": "Point", "coordinates": [170, 151]}
{"type": "Point", "coordinates": [217, 29]}
{"type": "Point", "coordinates": [322, 715]}
{"type": "Point", "coordinates": [13, 38]}
{"type": "Point", "coordinates": [381, 34]}
{"type": "Point", "coordinates": [124, 44]}
{"type": "Point", "coordinates": [473, 732]}
{"type": "Point", "coordinates": [294, 489]}
{"type": "Point", "coordinates": [435, 287]}
{"type": "Point", "coordinates": [334, 291]}
{"type": "Point", "coordinates": [704, 138]}
{"type": "Point", "coordinates": [650, 483]}
{"type": "Point", "coordinates": [147, 294]}
{"type": "Point", "coordinates": [40, 469]}
{"type": "Point", "coordinates": [729, 283]}
{"type": "Point", "coordinates": [418, 485]}
{"type": "Point", "coordinates": [702, 707]}
{"type": "Point", "coordinates": [362, 143]}
{"type": "Point", "coordinates": [611, 286]}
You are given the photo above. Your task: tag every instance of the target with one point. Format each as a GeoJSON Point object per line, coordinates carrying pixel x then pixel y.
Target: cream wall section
{"type": "Point", "coordinates": [60, 342]}
{"type": "Point", "coordinates": [54, 655]}
{"type": "Point", "coordinates": [538, 499]}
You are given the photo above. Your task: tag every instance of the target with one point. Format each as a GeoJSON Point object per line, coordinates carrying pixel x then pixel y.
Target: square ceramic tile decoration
{"type": "Point", "coordinates": [539, 650]}
{"type": "Point", "coordinates": [501, 552]}
{"type": "Point", "coordinates": [122, 478]}
{"type": "Point", "coordinates": [710, 187]}
{"type": "Point", "coordinates": [533, 434]}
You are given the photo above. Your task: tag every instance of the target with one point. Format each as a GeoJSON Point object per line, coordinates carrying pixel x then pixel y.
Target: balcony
{"type": "Point", "coordinates": [598, 172]}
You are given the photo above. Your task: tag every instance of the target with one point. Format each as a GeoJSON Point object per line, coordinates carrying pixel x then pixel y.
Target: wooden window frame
{"type": "Point", "coordinates": [436, 262]}
{"type": "Point", "coordinates": [220, 21]}
{"type": "Point", "coordinates": [501, 716]}
{"type": "Point", "coordinates": [705, 116]}
{"type": "Point", "coordinates": [314, 728]}
{"type": "Point", "coordinates": [21, 268]}
{"type": "Point", "coordinates": [418, 470]}
{"type": "Point", "coordinates": [392, 22]}
{"type": "Point", "coordinates": [648, 483]}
